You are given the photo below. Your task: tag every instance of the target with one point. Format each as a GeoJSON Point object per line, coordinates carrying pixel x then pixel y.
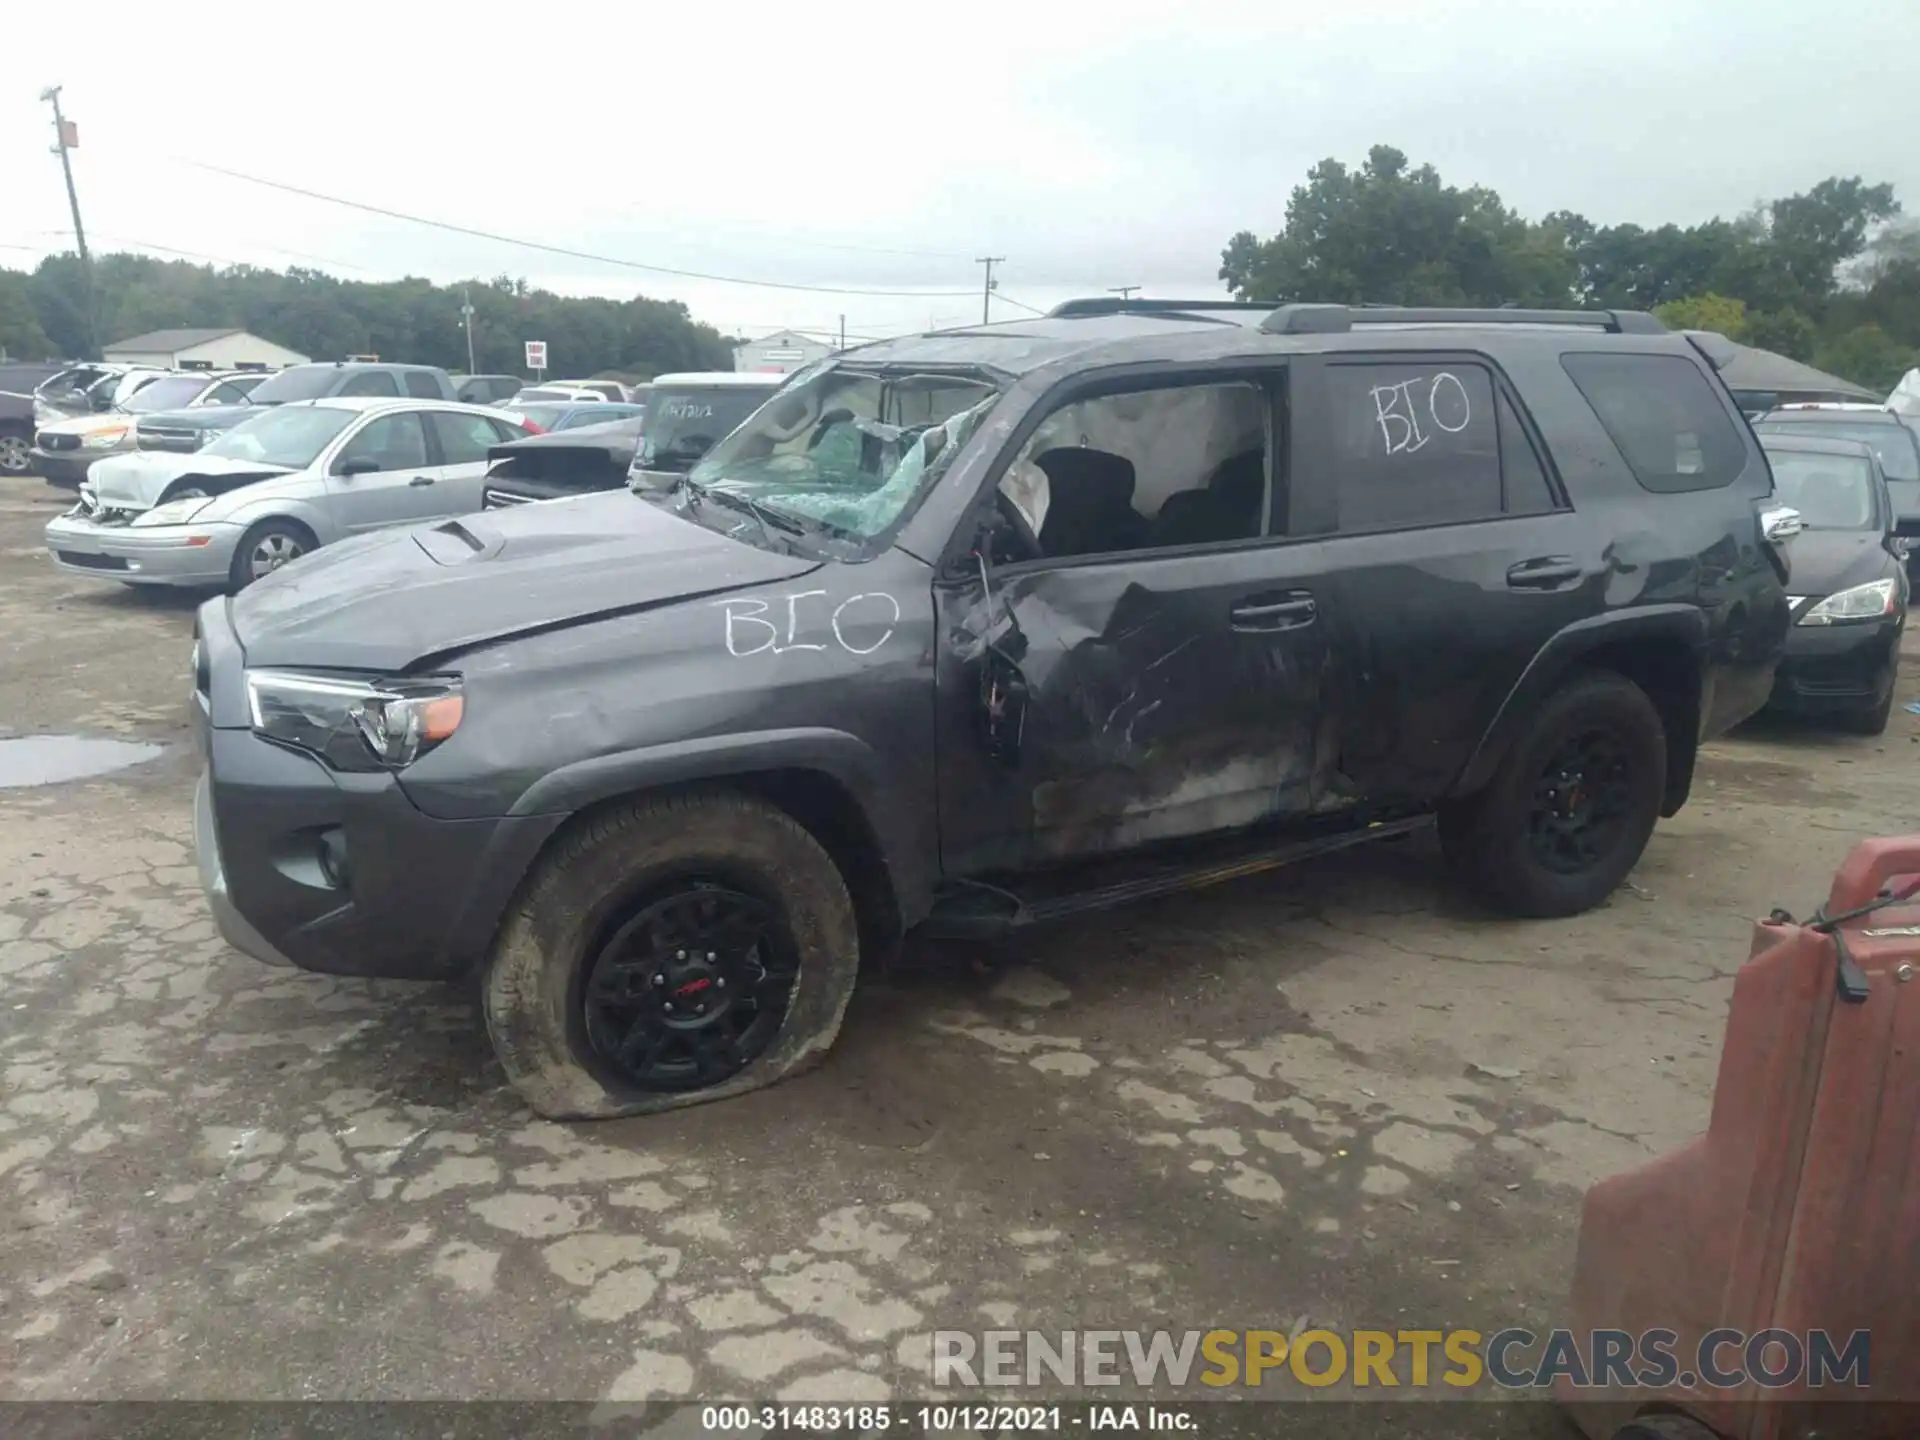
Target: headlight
{"type": "Point", "coordinates": [103, 439]}
{"type": "Point", "coordinates": [174, 512]}
{"type": "Point", "coordinates": [355, 723]}
{"type": "Point", "coordinates": [1862, 602]}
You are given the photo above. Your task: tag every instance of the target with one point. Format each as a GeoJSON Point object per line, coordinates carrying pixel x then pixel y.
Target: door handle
{"type": "Point", "coordinates": [421, 480]}
{"type": "Point", "coordinates": [1283, 612]}
{"type": "Point", "coordinates": [1544, 574]}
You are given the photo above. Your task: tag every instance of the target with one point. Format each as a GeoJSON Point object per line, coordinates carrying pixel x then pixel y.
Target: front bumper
{"type": "Point", "coordinates": [1834, 669]}
{"type": "Point", "coordinates": [63, 467]}
{"type": "Point", "coordinates": [334, 872]}
{"type": "Point", "coordinates": [155, 555]}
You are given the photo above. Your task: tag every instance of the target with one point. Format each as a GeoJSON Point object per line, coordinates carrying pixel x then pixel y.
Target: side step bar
{"type": "Point", "coordinates": [963, 913]}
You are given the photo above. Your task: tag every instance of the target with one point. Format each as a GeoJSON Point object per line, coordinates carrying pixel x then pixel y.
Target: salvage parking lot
{"type": "Point", "coordinates": [1340, 1095]}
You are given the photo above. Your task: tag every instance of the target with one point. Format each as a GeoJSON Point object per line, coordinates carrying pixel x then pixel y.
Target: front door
{"type": "Point", "coordinates": [1155, 670]}
{"type": "Point", "coordinates": [398, 489]}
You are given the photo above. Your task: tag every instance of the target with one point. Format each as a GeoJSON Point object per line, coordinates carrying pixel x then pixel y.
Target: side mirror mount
{"type": "Point", "coordinates": [356, 465]}
{"type": "Point", "coordinates": [1780, 524]}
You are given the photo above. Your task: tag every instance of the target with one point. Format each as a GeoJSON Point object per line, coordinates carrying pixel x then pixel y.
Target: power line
{"type": "Point", "coordinates": [525, 244]}
{"type": "Point", "coordinates": [1008, 299]}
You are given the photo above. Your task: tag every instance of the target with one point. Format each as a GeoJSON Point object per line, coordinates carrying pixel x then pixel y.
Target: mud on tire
{"type": "Point", "coordinates": [1490, 839]}
{"type": "Point", "coordinates": [612, 865]}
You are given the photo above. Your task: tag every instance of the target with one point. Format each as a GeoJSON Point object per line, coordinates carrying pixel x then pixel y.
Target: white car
{"type": "Point", "coordinates": [276, 486]}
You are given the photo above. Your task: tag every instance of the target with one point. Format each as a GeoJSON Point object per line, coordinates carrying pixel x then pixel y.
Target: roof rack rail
{"type": "Point", "coordinates": [1338, 319]}
{"type": "Point", "coordinates": [1120, 305]}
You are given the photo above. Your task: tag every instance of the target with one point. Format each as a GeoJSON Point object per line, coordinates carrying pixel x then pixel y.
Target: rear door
{"type": "Point", "coordinates": [461, 442]}
{"type": "Point", "coordinates": [1452, 557]}
{"type": "Point", "coordinates": [399, 489]}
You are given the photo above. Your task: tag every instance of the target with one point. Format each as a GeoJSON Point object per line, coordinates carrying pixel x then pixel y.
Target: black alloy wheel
{"type": "Point", "coordinates": [691, 989]}
{"type": "Point", "coordinates": [1582, 801]}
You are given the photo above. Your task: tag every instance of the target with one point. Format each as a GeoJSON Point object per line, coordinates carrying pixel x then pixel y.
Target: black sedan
{"type": "Point", "coordinates": [1848, 590]}
{"type": "Point", "coordinates": [566, 462]}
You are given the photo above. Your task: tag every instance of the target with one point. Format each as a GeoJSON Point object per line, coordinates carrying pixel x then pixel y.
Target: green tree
{"type": "Point", "coordinates": [1784, 332]}
{"type": "Point", "coordinates": [1395, 235]}
{"type": "Point", "coordinates": [1867, 356]}
{"type": "Point", "coordinates": [21, 337]}
{"type": "Point", "coordinates": [1719, 313]}
{"type": "Point", "coordinates": [315, 313]}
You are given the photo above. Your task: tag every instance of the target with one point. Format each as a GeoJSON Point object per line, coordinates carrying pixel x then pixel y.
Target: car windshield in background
{"type": "Point", "coordinates": [293, 438]}
{"type": "Point", "coordinates": [604, 414]}
{"type": "Point", "coordinates": [175, 392]}
{"type": "Point", "coordinates": [1893, 445]}
{"type": "Point", "coordinates": [847, 449]}
{"type": "Point", "coordinates": [1831, 492]}
{"type": "Point", "coordinates": [683, 425]}
{"type": "Point", "coordinates": [300, 383]}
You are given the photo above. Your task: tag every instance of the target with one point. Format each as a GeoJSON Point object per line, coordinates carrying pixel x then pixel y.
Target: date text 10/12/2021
{"type": "Point", "coordinates": [947, 1419]}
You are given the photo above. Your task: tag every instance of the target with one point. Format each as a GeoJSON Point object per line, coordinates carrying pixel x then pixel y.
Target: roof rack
{"type": "Point", "coordinates": [1120, 305]}
{"type": "Point", "coordinates": [1338, 319]}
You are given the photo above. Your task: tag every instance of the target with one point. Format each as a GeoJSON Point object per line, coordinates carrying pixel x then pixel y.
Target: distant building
{"type": "Point", "coordinates": [202, 350]}
{"type": "Point", "coordinates": [781, 353]}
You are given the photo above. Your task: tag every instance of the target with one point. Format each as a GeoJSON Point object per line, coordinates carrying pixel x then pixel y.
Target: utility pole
{"type": "Point", "coordinates": [66, 136]}
{"type": "Point", "coordinates": [466, 319]}
{"type": "Point", "coordinates": [1125, 292]}
{"type": "Point", "coordinates": [843, 332]}
{"type": "Point", "coordinates": [986, 290]}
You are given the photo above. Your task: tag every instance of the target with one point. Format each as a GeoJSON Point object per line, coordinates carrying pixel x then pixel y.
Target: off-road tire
{"type": "Point", "coordinates": [240, 570]}
{"type": "Point", "coordinates": [1485, 837]}
{"type": "Point", "coordinates": [531, 990]}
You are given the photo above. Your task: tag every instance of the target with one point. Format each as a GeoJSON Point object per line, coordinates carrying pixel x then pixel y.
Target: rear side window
{"type": "Point", "coordinates": [370, 382]}
{"type": "Point", "coordinates": [1664, 418]}
{"type": "Point", "coordinates": [1421, 444]}
{"type": "Point", "coordinates": [423, 385]}
{"type": "Point", "coordinates": [463, 438]}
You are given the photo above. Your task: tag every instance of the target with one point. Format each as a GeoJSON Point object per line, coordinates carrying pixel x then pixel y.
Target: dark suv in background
{"type": "Point", "coordinates": [185, 431]}
{"type": "Point", "coordinates": [964, 631]}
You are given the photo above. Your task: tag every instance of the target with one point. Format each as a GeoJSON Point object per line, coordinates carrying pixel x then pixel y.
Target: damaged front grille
{"type": "Point", "coordinates": [90, 509]}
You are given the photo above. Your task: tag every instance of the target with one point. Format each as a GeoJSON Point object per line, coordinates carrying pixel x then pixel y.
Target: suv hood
{"type": "Point", "coordinates": [201, 417]}
{"type": "Point", "coordinates": [383, 602]}
{"type": "Point", "coordinates": [135, 481]}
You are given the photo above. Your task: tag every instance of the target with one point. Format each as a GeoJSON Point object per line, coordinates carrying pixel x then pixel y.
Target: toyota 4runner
{"type": "Point", "coordinates": [964, 631]}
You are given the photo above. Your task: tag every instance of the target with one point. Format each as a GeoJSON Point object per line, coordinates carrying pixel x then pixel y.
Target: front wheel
{"type": "Point", "coordinates": [1571, 807]}
{"type": "Point", "coordinates": [265, 548]}
{"type": "Point", "coordinates": [671, 951]}
{"type": "Point", "coordinates": [13, 455]}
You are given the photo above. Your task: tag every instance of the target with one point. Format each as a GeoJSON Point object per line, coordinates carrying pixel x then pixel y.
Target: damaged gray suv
{"type": "Point", "coordinates": [966, 631]}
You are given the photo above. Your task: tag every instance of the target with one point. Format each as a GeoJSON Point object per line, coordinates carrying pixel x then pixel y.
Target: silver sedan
{"type": "Point", "coordinates": [274, 487]}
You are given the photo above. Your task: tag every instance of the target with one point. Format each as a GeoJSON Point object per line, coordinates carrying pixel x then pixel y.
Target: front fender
{"type": "Point", "coordinates": [282, 507]}
{"type": "Point", "coordinates": [843, 758]}
{"type": "Point", "coordinates": [1685, 624]}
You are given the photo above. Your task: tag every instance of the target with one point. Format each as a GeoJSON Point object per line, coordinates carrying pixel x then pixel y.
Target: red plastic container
{"type": "Point", "coordinates": [1799, 1208]}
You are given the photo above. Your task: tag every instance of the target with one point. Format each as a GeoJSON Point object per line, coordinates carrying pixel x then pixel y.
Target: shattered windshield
{"type": "Point", "coordinates": [847, 450]}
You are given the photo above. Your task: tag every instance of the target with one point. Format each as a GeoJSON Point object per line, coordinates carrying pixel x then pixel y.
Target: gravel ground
{"type": "Point", "coordinates": [1338, 1093]}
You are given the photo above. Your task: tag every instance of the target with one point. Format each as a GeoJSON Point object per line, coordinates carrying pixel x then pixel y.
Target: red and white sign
{"type": "Point", "coordinates": [536, 354]}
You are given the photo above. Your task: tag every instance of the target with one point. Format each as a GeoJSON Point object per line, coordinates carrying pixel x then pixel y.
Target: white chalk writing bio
{"type": "Point", "coordinates": [768, 639]}
{"type": "Point", "coordinates": [1398, 410]}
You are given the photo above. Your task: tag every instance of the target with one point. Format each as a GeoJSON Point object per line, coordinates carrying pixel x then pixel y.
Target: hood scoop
{"type": "Point", "coordinates": [453, 543]}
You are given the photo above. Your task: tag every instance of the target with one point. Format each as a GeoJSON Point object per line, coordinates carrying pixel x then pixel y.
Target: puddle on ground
{"type": "Point", "coordinates": [49, 759]}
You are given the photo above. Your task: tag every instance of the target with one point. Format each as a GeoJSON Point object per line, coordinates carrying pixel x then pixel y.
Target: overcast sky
{"type": "Point", "coordinates": [882, 148]}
